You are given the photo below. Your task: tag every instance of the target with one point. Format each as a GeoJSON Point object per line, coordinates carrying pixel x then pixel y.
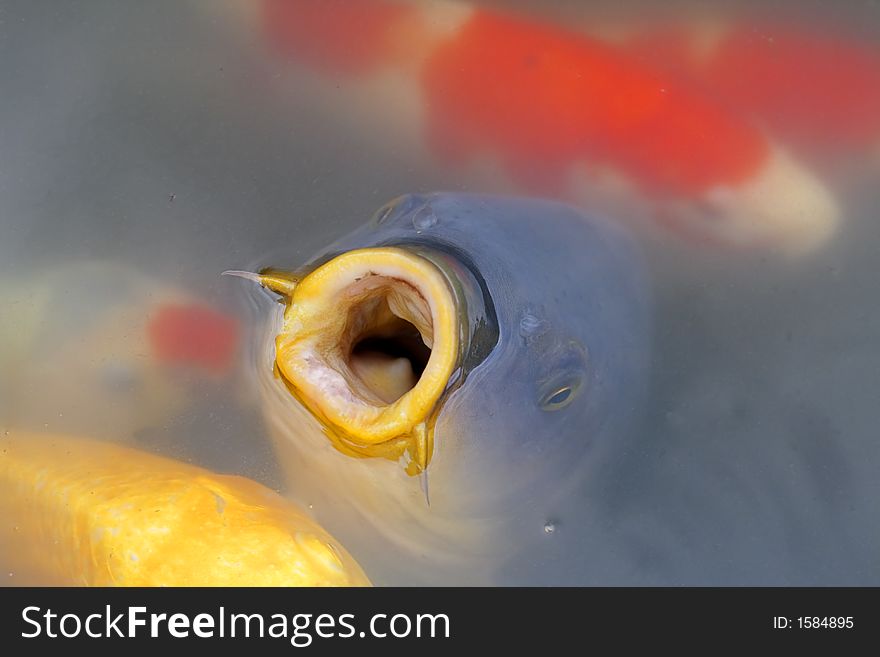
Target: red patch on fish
{"type": "Point", "coordinates": [817, 90]}
{"type": "Point", "coordinates": [193, 335]}
{"type": "Point", "coordinates": [544, 99]}
{"type": "Point", "coordinates": [339, 36]}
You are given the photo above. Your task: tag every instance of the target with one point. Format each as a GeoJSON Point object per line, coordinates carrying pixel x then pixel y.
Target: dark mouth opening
{"type": "Point", "coordinates": [388, 353]}
{"type": "Point", "coordinates": [407, 343]}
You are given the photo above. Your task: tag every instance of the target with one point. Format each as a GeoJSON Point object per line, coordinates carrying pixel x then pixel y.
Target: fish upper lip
{"type": "Point", "coordinates": [322, 324]}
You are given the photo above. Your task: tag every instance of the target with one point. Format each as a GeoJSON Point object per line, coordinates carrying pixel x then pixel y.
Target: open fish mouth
{"type": "Point", "coordinates": [496, 345]}
{"type": "Point", "coordinates": [370, 342]}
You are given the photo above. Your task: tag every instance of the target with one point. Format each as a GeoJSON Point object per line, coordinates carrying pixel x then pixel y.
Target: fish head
{"type": "Point", "coordinates": [471, 350]}
{"type": "Point", "coordinates": [396, 341]}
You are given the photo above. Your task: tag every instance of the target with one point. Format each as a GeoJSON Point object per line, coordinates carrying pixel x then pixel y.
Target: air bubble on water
{"type": "Point", "coordinates": [424, 219]}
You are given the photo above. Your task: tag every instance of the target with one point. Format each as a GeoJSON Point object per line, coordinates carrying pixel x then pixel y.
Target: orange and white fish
{"type": "Point", "coordinates": [551, 111]}
{"type": "Point", "coordinates": [193, 334]}
{"type": "Point", "coordinates": [87, 335]}
{"type": "Point", "coordinates": [818, 90]}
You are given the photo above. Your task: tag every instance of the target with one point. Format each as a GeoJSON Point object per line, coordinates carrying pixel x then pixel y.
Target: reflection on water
{"type": "Point", "coordinates": [147, 149]}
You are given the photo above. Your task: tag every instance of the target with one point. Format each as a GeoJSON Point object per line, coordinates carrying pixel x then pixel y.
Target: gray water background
{"type": "Point", "coordinates": [144, 133]}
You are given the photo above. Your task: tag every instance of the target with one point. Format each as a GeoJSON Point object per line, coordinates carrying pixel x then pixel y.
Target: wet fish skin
{"type": "Point", "coordinates": [558, 385]}
{"type": "Point", "coordinates": [569, 296]}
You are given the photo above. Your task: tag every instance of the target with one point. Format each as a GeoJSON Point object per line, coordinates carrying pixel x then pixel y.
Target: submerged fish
{"type": "Point", "coordinates": [91, 334]}
{"type": "Point", "coordinates": [80, 512]}
{"type": "Point", "coordinates": [543, 109]}
{"type": "Point", "coordinates": [817, 89]}
{"type": "Point", "coordinates": [479, 351]}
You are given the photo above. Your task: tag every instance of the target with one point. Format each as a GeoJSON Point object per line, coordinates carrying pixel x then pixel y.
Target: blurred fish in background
{"type": "Point", "coordinates": [181, 139]}
{"type": "Point", "coordinates": [816, 88]}
{"type": "Point", "coordinates": [93, 335]}
{"type": "Point", "coordinates": [539, 108]}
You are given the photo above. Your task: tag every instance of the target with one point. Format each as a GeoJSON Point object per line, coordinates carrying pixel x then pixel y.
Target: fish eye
{"type": "Point", "coordinates": [563, 386]}
{"type": "Point", "coordinates": [559, 397]}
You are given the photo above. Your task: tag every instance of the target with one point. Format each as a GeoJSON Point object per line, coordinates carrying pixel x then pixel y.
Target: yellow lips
{"type": "Point", "coordinates": [339, 350]}
{"type": "Point", "coordinates": [82, 512]}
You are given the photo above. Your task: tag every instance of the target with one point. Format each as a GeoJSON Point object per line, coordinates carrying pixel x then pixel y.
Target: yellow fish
{"type": "Point", "coordinates": [81, 512]}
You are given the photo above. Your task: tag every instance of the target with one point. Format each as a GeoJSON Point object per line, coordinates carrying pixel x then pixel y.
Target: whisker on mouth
{"type": "Point", "coordinates": [247, 275]}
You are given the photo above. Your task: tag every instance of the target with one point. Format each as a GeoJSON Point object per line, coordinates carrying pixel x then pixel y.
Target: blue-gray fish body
{"type": "Point", "coordinates": [555, 322]}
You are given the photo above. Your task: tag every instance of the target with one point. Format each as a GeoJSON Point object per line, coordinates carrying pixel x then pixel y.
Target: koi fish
{"type": "Point", "coordinates": [78, 512]}
{"type": "Point", "coordinates": [193, 334]}
{"type": "Point", "coordinates": [817, 90]}
{"type": "Point", "coordinates": [554, 112]}
{"type": "Point", "coordinates": [96, 334]}
{"type": "Point", "coordinates": [477, 351]}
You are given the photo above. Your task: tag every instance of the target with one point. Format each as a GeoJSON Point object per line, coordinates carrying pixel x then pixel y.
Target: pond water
{"type": "Point", "coordinates": [145, 149]}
